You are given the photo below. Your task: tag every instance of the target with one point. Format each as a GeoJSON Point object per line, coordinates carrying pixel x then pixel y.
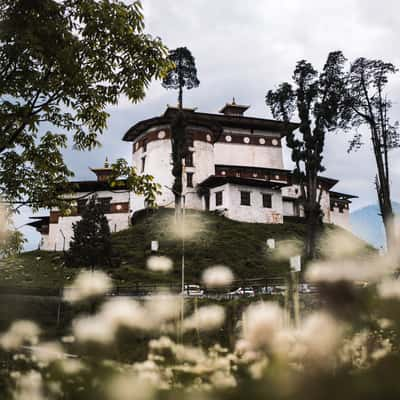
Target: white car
{"type": "Point", "coordinates": [193, 291]}
{"type": "Point", "coordinates": [246, 292]}
{"type": "Point", "coordinates": [304, 288]}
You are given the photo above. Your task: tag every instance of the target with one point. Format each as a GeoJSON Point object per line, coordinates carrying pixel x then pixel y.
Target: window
{"type": "Point", "coordinates": [189, 141]}
{"type": "Point", "coordinates": [189, 159]}
{"type": "Point", "coordinates": [143, 164]}
{"type": "Point", "coordinates": [267, 200]}
{"type": "Point", "coordinates": [189, 179]}
{"type": "Point", "coordinates": [244, 198]}
{"type": "Point", "coordinates": [218, 198]}
{"type": "Point", "coordinates": [144, 145]}
{"type": "Point", "coordinates": [105, 204]}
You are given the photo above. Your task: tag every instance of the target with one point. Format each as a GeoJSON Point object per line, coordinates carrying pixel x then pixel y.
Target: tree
{"type": "Point", "coordinates": [126, 177]}
{"type": "Point", "coordinates": [178, 128]}
{"type": "Point", "coordinates": [91, 242]}
{"type": "Point", "coordinates": [317, 98]}
{"type": "Point", "coordinates": [183, 75]}
{"type": "Point", "coordinates": [61, 63]}
{"type": "Point", "coordinates": [11, 240]}
{"type": "Point", "coordinates": [11, 243]}
{"type": "Point", "coordinates": [367, 104]}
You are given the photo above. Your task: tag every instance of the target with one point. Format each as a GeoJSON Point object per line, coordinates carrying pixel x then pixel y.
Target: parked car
{"type": "Point", "coordinates": [304, 288]}
{"type": "Point", "coordinates": [267, 290]}
{"type": "Point", "coordinates": [193, 291]}
{"type": "Point", "coordinates": [246, 292]}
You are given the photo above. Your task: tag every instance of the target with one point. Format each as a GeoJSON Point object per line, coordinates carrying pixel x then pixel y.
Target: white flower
{"type": "Point", "coordinates": [128, 386]}
{"type": "Point", "coordinates": [125, 312]}
{"type": "Point", "coordinates": [223, 380]}
{"type": "Point", "coordinates": [88, 284]}
{"type": "Point", "coordinates": [29, 386]}
{"type": "Point", "coordinates": [20, 332]}
{"type": "Point", "coordinates": [71, 366]}
{"type": "Point", "coordinates": [205, 318]}
{"type": "Point", "coordinates": [320, 335]}
{"type": "Point", "coordinates": [340, 244]}
{"type": "Point", "coordinates": [159, 264]}
{"type": "Point", "coordinates": [93, 329]}
{"type": "Point", "coordinates": [48, 352]}
{"type": "Point", "coordinates": [163, 307]}
{"type": "Point", "coordinates": [369, 269]}
{"type": "Point", "coordinates": [218, 276]}
{"type": "Point", "coordinates": [261, 324]}
{"type": "Point", "coordinates": [389, 289]}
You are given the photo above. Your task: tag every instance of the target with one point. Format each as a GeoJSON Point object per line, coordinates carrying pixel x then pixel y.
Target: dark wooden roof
{"type": "Point", "coordinates": [39, 221]}
{"type": "Point", "coordinates": [215, 181]}
{"type": "Point", "coordinates": [249, 168]}
{"type": "Point", "coordinates": [213, 121]}
{"type": "Point", "coordinates": [328, 182]}
{"type": "Point", "coordinates": [342, 196]}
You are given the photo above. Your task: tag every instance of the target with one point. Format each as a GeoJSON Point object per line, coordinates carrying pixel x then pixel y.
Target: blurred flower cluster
{"type": "Point", "coordinates": [342, 348]}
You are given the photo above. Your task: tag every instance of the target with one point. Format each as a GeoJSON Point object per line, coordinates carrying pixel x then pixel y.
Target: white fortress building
{"type": "Point", "coordinates": [234, 167]}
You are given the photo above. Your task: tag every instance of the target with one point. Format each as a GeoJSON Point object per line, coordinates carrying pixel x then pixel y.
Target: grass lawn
{"type": "Point", "coordinates": [210, 240]}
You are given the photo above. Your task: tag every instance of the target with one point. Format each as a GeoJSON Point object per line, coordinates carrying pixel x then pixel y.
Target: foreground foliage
{"type": "Point", "coordinates": [61, 64]}
{"type": "Point", "coordinates": [348, 348]}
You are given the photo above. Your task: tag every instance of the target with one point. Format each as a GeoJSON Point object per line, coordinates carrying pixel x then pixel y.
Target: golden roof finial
{"type": "Point", "coordinates": [106, 163]}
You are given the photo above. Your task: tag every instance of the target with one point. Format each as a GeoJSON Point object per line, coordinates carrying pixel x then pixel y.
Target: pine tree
{"type": "Point", "coordinates": [91, 243]}
{"type": "Point", "coordinates": [184, 75]}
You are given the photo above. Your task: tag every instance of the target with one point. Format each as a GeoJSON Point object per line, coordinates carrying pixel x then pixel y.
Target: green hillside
{"type": "Point", "coordinates": [210, 240]}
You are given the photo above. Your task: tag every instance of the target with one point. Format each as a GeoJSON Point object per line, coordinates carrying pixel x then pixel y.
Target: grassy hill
{"type": "Point", "coordinates": [209, 240]}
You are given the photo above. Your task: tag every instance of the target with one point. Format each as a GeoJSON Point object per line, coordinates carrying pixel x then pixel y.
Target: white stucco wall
{"type": "Point", "coordinates": [326, 206]}
{"type": "Point", "coordinates": [117, 221]}
{"type": "Point", "coordinates": [55, 240]}
{"type": "Point", "coordinates": [288, 208]}
{"type": "Point", "coordinates": [248, 155]}
{"type": "Point", "coordinates": [341, 219]}
{"type": "Point", "coordinates": [295, 192]}
{"type": "Point", "coordinates": [116, 196]}
{"type": "Point", "coordinates": [159, 164]}
{"type": "Point", "coordinates": [253, 213]}
{"type": "Point", "coordinates": [44, 243]}
{"type": "Point", "coordinates": [291, 191]}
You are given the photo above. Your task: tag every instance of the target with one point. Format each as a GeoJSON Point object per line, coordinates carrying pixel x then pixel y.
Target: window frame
{"type": "Point", "coordinates": [105, 203]}
{"type": "Point", "coordinates": [243, 200]}
{"type": "Point", "coordinates": [189, 179]}
{"type": "Point", "coordinates": [189, 159]}
{"type": "Point", "coordinates": [266, 204]}
{"type": "Point", "coordinates": [219, 198]}
{"type": "Point", "coordinates": [143, 165]}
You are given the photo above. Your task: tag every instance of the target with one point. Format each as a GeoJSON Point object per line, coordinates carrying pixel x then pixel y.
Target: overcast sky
{"type": "Point", "coordinates": [243, 49]}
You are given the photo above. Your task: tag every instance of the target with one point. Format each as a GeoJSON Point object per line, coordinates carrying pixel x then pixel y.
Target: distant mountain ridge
{"type": "Point", "coordinates": [367, 224]}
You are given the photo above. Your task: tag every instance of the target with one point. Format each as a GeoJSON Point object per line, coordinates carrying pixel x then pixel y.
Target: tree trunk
{"type": "Point", "coordinates": [312, 212]}
{"type": "Point", "coordinates": [385, 206]}
{"type": "Point", "coordinates": [180, 98]}
{"type": "Point", "coordinates": [178, 207]}
{"type": "Point", "coordinates": [178, 140]}
{"type": "Point", "coordinates": [383, 191]}
{"type": "Point", "coordinates": [312, 235]}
